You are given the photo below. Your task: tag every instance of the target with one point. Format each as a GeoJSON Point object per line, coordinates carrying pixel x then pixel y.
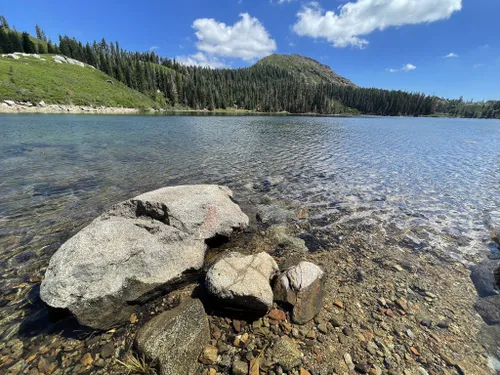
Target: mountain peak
{"type": "Point", "coordinates": [305, 67]}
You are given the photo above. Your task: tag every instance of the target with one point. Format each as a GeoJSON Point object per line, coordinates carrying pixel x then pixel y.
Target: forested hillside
{"type": "Point", "coordinates": [278, 83]}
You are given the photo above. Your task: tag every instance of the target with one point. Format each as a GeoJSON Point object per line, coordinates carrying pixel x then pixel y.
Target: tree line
{"type": "Point", "coordinates": [261, 87]}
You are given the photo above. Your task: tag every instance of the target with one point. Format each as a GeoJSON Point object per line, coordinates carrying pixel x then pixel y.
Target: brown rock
{"type": "Point", "coordinates": [209, 355]}
{"type": "Point", "coordinates": [277, 315]}
{"type": "Point", "coordinates": [339, 304]}
{"type": "Point", "coordinates": [303, 371]}
{"type": "Point", "coordinates": [414, 351]}
{"type": "Point", "coordinates": [87, 359]}
{"type": "Point", "coordinates": [133, 318]}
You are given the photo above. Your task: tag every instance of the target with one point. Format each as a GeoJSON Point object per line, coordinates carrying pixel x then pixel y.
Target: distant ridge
{"type": "Point", "coordinates": [308, 69]}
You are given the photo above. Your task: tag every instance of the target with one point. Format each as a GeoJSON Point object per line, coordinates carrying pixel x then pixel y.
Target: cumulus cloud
{"type": "Point", "coordinates": [201, 59]}
{"type": "Point", "coordinates": [450, 55]}
{"type": "Point", "coordinates": [246, 39]}
{"type": "Point", "coordinates": [404, 68]}
{"type": "Point", "coordinates": [359, 18]}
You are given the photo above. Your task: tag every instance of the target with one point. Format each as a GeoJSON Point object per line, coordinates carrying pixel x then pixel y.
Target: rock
{"type": "Point", "coordinates": [42, 104]}
{"type": "Point", "coordinates": [286, 354]}
{"type": "Point", "coordinates": [175, 338]}
{"type": "Point", "coordinates": [107, 350]}
{"type": "Point", "coordinates": [280, 237]}
{"type": "Point", "coordinates": [59, 59]}
{"type": "Point", "coordinates": [209, 355]}
{"type": "Point", "coordinates": [277, 315]}
{"type": "Point", "coordinates": [302, 287]}
{"type": "Point", "coordinates": [240, 367]}
{"type": "Point", "coordinates": [489, 309]}
{"type": "Point", "coordinates": [362, 368]}
{"type": "Point", "coordinates": [10, 103]}
{"type": "Point", "coordinates": [136, 250]}
{"type": "Point", "coordinates": [482, 276]}
{"type": "Point", "coordinates": [272, 214]}
{"type": "Point", "coordinates": [12, 56]}
{"type": "Point", "coordinates": [87, 359]}
{"type": "Point", "coordinates": [242, 281]}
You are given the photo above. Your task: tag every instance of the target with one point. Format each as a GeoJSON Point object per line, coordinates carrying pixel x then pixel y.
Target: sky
{"type": "Point", "coordinates": [449, 48]}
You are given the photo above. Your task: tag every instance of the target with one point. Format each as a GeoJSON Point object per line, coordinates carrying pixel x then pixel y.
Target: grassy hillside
{"type": "Point", "coordinates": [305, 67]}
{"type": "Point", "coordinates": [31, 79]}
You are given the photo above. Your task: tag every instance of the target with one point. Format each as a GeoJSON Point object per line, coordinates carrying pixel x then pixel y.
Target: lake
{"type": "Point", "coordinates": [436, 179]}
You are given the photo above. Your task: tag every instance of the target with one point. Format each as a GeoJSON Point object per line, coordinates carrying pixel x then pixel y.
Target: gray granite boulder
{"type": "Point", "coordinates": [175, 338]}
{"type": "Point", "coordinates": [136, 250]}
{"type": "Point", "coordinates": [302, 287]}
{"type": "Point", "coordinates": [243, 281]}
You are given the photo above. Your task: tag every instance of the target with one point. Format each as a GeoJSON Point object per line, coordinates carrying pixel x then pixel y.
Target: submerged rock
{"type": "Point", "coordinates": [280, 237]}
{"type": "Point", "coordinates": [273, 214]}
{"type": "Point", "coordinates": [489, 309]}
{"type": "Point", "coordinates": [302, 287]}
{"type": "Point", "coordinates": [137, 249]}
{"type": "Point", "coordinates": [483, 277]}
{"type": "Point", "coordinates": [243, 281]}
{"type": "Point", "coordinates": [175, 338]}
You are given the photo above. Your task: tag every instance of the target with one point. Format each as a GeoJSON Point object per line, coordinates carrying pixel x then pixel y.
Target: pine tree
{"type": "Point", "coordinates": [3, 23]}
{"type": "Point", "coordinates": [28, 45]}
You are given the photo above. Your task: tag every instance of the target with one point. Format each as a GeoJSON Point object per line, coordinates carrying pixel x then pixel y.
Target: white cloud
{"type": "Point", "coordinates": [450, 55]}
{"type": "Point", "coordinates": [152, 48]}
{"type": "Point", "coordinates": [201, 59]}
{"type": "Point", "coordinates": [404, 68]}
{"type": "Point", "coordinates": [478, 65]}
{"type": "Point", "coordinates": [362, 17]}
{"type": "Point", "coordinates": [246, 39]}
{"type": "Point", "coordinates": [291, 44]}
{"type": "Point", "coordinates": [284, 1]}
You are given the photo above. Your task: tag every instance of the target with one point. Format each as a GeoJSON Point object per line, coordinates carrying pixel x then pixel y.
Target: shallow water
{"type": "Point", "coordinates": [437, 179]}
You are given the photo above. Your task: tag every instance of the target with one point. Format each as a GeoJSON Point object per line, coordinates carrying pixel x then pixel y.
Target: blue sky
{"type": "Point", "coordinates": [393, 44]}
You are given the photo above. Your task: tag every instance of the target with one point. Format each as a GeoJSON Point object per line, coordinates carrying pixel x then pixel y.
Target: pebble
{"type": "Point", "coordinates": [348, 361]}
{"type": "Point", "coordinates": [339, 304]}
{"type": "Point", "coordinates": [107, 350]}
{"type": "Point", "coordinates": [444, 324]}
{"type": "Point", "coordinates": [336, 322]}
{"type": "Point", "coordinates": [426, 323]}
{"type": "Point", "coordinates": [87, 359]}
{"type": "Point", "coordinates": [303, 371]}
{"type": "Point", "coordinates": [240, 367]}
{"type": "Point", "coordinates": [362, 368]}
{"type": "Point", "coordinates": [209, 355]}
{"type": "Point", "coordinates": [277, 315]}
{"type": "Point", "coordinates": [254, 366]}
{"type": "Point", "coordinates": [323, 328]}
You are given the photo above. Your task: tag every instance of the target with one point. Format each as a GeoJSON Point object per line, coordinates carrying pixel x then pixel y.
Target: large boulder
{"type": "Point", "coordinates": [243, 281]}
{"type": "Point", "coordinates": [136, 250]}
{"type": "Point", "coordinates": [302, 287]}
{"type": "Point", "coordinates": [175, 338]}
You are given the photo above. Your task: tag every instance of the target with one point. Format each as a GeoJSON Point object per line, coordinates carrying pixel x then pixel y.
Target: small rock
{"type": "Point", "coordinates": [444, 324]}
{"type": "Point", "coordinates": [107, 350]}
{"type": "Point", "coordinates": [362, 368]}
{"type": "Point", "coordinates": [303, 371]}
{"type": "Point", "coordinates": [402, 304]}
{"type": "Point", "coordinates": [323, 328]}
{"type": "Point", "coordinates": [286, 354]}
{"type": "Point", "coordinates": [209, 355]}
{"type": "Point", "coordinates": [311, 335]}
{"type": "Point", "coordinates": [302, 287]}
{"type": "Point", "coordinates": [415, 351]}
{"type": "Point", "coordinates": [240, 367]}
{"type": "Point", "coordinates": [426, 323]}
{"type": "Point", "coordinates": [277, 315]}
{"type": "Point", "coordinates": [86, 360]}
{"type": "Point", "coordinates": [339, 304]}
{"type": "Point", "coordinates": [133, 318]}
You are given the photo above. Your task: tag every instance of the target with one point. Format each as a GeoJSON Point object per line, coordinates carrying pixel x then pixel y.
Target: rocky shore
{"type": "Point", "coordinates": [10, 106]}
{"type": "Point", "coordinates": [267, 294]}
